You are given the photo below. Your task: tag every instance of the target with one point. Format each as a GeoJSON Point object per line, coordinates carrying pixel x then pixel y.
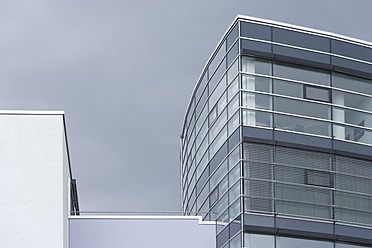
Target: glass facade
{"type": "Point", "coordinates": [280, 126]}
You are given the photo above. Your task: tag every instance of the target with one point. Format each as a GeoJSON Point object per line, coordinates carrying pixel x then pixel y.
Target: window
{"type": "Point", "coordinates": [317, 93]}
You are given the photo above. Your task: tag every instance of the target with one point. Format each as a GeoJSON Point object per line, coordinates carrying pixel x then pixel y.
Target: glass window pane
{"type": "Point", "coordinates": [212, 115]}
{"type": "Point", "coordinates": [352, 83]}
{"type": "Point", "coordinates": [216, 77]}
{"type": "Point", "coordinates": [218, 141]}
{"type": "Point", "coordinates": [352, 133]}
{"type": "Point", "coordinates": [302, 108]}
{"type": "Point", "coordinates": [317, 93]}
{"type": "Point", "coordinates": [233, 35]}
{"type": "Point", "coordinates": [233, 106]}
{"type": "Point", "coordinates": [258, 240]}
{"type": "Point", "coordinates": [233, 89]}
{"type": "Point", "coordinates": [221, 103]}
{"type": "Point", "coordinates": [256, 31]}
{"type": "Point", "coordinates": [256, 118]}
{"type": "Point", "coordinates": [299, 39]}
{"type": "Point", "coordinates": [234, 192]}
{"type": "Point", "coordinates": [217, 59]}
{"type": "Point", "coordinates": [201, 103]}
{"type": "Point", "coordinates": [256, 83]}
{"type": "Point", "coordinates": [215, 95]}
{"type": "Point", "coordinates": [351, 50]}
{"type": "Point", "coordinates": [219, 207]}
{"type": "Point", "coordinates": [249, 45]}
{"type": "Point", "coordinates": [352, 100]}
{"type": "Point", "coordinates": [302, 54]}
{"type": "Point", "coordinates": [236, 242]}
{"type": "Point", "coordinates": [220, 122]}
{"type": "Point", "coordinates": [202, 149]}
{"type": "Point", "coordinates": [234, 157]}
{"type": "Point", "coordinates": [255, 65]}
{"type": "Point", "coordinates": [234, 174]}
{"type": "Point", "coordinates": [288, 88]}
{"type": "Point", "coordinates": [285, 242]}
{"type": "Point", "coordinates": [257, 101]}
{"type": "Point", "coordinates": [345, 245]}
{"type": "Point", "coordinates": [302, 125]}
{"type": "Point", "coordinates": [203, 83]}
{"type": "Point", "coordinates": [302, 73]}
{"type": "Point", "coordinates": [233, 71]}
{"type": "Point", "coordinates": [233, 53]}
{"type": "Point", "coordinates": [352, 117]}
{"type": "Point", "coordinates": [202, 133]}
{"type": "Point", "coordinates": [202, 196]}
{"type": "Point", "coordinates": [218, 174]}
{"type": "Point", "coordinates": [233, 123]}
{"type": "Point", "coordinates": [351, 65]}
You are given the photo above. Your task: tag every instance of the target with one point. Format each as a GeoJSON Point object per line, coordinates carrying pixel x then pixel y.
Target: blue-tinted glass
{"type": "Point", "coordinates": [217, 75]}
{"type": "Point", "coordinates": [222, 237]}
{"type": "Point", "coordinates": [234, 228]}
{"type": "Point", "coordinates": [192, 197]}
{"type": "Point", "coordinates": [232, 54]}
{"type": "Point", "coordinates": [234, 140]}
{"type": "Point", "coordinates": [255, 46]}
{"type": "Point", "coordinates": [233, 35]}
{"type": "Point", "coordinates": [199, 91]}
{"type": "Point", "coordinates": [301, 54]}
{"type": "Point", "coordinates": [201, 103]}
{"type": "Point", "coordinates": [256, 31]}
{"type": "Point", "coordinates": [351, 50]}
{"type": "Point", "coordinates": [217, 159]}
{"type": "Point", "coordinates": [354, 65]}
{"type": "Point", "coordinates": [300, 39]}
{"type": "Point", "coordinates": [217, 58]}
{"type": "Point", "coordinates": [203, 178]}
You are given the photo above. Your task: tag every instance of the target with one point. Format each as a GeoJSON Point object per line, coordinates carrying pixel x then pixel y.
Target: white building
{"type": "Point", "coordinates": [34, 179]}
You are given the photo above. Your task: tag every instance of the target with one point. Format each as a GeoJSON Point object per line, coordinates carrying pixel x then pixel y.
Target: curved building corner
{"type": "Point", "coordinates": [276, 145]}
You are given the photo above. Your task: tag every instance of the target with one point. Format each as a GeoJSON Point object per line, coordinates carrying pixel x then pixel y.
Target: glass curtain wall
{"type": "Point", "coordinates": [301, 99]}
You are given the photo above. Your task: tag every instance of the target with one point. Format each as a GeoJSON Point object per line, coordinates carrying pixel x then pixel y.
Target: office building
{"type": "Point", "coordinates": [276, 145]}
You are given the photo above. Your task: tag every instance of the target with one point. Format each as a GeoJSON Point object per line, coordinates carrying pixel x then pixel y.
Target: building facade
{"type": "Point", "coordinates": [37, 189]}
{"type": "Point", "coordinates": [276, 145]}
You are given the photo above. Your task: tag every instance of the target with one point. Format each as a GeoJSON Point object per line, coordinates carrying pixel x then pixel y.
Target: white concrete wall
{"type": "Point", "coordinates": [33, 180]}
{"type": "Point", "coordinates": [141, 232]}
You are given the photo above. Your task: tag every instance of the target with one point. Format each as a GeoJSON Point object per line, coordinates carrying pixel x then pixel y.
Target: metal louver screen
{"type": "Point", "coordinates": [310, 184]}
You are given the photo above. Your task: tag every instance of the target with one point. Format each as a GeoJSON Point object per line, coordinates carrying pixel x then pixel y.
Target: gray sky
{"type": "Point", "coordinates": [124, 72]}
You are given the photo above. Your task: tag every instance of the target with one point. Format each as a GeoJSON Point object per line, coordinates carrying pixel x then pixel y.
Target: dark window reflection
{"type": "Point", "coordinates": [256, 31]}
{"type": "Point", "coordinates": [300, 39]}
{"type": "Point", "coordinates": [232, 37]}
{"type": "Point", "coordinates": [248, 45]}
{"type": "Point", "coordinates": [351, 50]}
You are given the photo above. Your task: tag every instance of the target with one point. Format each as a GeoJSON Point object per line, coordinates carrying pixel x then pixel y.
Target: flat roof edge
{"type": "Point", "coordinates": [143, 217]}
{"type": "Point", "coordinates": [32, 112]}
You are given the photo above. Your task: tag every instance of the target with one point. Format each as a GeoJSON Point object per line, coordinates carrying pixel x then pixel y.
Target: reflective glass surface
{"type": "Point", "coordinates": [257, 31]}
{"type": "Point", "coordinates": [351, 50]}
{"type": "Point", "coordinates": [302, 108]}
{"type": "Point", "coordinates": [258, 240]}
{"type": "Point", "coordinates": [256, 83]}
{"type": "Point", "coordinates": [255, 65]}
{"type": "Point", "coordinates": [285, 242]}
{"type": "Point", "coordinates": [300, 39]}
{"type": "Point", "coordinates": [302, 73]}
{"type": "Point", "coordinates": [249, 45]}
{"type": "Point", "coordinates": [302, 125]}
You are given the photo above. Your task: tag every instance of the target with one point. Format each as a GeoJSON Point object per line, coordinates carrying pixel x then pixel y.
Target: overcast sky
{"type": "Point", "coordinates": [123, 71]}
